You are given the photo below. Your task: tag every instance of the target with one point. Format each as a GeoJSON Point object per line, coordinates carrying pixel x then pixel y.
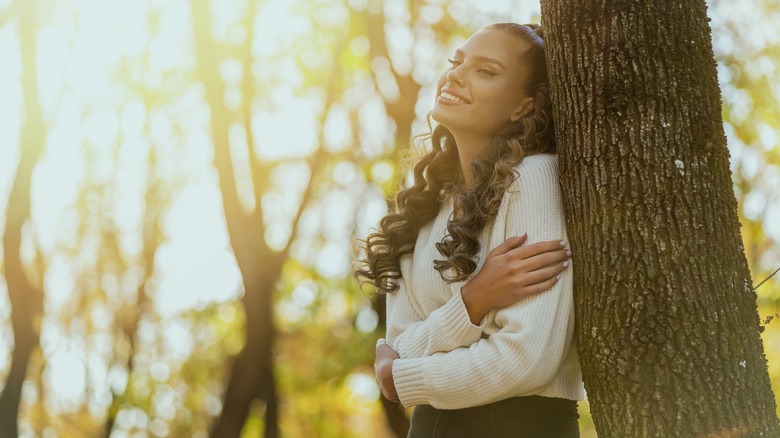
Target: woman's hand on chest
{"type": "Point", "coordinates": [513, 272]}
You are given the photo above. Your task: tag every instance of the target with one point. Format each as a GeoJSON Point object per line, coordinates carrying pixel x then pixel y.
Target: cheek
{"type": "Point", "coordinates": [501, 102]}
{"type": "Point", "coordinates": [494, 109]}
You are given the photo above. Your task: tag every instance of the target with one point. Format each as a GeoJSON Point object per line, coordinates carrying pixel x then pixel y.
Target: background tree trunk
{"type": "Point", "coordinates": [252, 374]}
{"type": "Point", "coordinates": [24, 293]}
{"type": "Point", "coordinates": [251, 377]}
{"type": "Point", "coordinates": [667, 319]}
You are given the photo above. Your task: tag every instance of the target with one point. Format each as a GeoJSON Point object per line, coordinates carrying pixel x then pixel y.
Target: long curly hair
{"type": "Point", "coordinates": [437, 175]}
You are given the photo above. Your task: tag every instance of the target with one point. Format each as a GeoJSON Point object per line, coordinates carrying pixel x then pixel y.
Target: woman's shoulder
{"type": "Point", "coordinates": [535, 170]}
{"type": "Point", "coordinates": [536, 184]}
{"type": "Point", "coordinates": [535, 189]}
{"type": "Point", "coordinates": [541, 163]}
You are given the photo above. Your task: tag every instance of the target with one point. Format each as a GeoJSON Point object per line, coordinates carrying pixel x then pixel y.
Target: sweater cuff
{"type": "Point", "coordinates": [455, 315]}
{"type": "Point", "coordinates": [409, 381]}
{"type": "Point", "coordinates": [454, 330]}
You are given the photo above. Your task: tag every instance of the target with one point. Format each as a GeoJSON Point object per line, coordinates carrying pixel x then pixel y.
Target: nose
{"type": "Point", "coordinates": [454, 76]}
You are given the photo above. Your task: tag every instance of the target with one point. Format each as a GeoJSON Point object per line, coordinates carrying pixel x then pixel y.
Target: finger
{"type": "Point", "coordinates": [547, 258]}
{"type": "Point", "coordinates": [539, 248]}
{"type": "Point", "coordinates": [380, 343]}
{"type": "Point", "coordinates": [509, 244]}
{"type": "Point", "coordinates": [544, 274]}
{"type": "Point", "coordinates": [540, 287]}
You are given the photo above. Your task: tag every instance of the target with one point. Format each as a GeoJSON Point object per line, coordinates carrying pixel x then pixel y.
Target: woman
{"type": "Point", "coordinates": [480, 341]}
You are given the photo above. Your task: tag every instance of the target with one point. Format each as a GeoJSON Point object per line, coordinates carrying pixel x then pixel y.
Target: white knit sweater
{"type": "Point", "coordinates": [523, 349]}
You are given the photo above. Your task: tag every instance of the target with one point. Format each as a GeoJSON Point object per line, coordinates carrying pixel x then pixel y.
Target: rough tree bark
{"type": "Point", "coordinates": [667, 320]}
{"type": "Point", "coordinates": [24, 293]}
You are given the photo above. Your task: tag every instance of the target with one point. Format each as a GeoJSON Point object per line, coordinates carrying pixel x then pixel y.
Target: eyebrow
{"type": "Point", "coordinates": [482, 58]}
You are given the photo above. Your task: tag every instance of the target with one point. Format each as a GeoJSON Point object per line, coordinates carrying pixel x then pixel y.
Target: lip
{"type": "Point", "coordinates": [454, 93]}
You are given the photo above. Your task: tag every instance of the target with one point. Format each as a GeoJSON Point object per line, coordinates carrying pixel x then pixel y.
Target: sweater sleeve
{"type": "Point", "coordinates": [533, 335]}
{"type": "Point", "coordinates": [445, 329]}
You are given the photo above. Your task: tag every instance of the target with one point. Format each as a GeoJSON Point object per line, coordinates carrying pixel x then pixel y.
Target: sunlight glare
{"type": "Point", "coordinates": [66, 376]}
{"type": "Point", "coordinates": [196, 267]}
{"type": "Point", "coordinates": [367, 320]}
{"type": "Point", "coordinates": [337, 136]}
{"type": "Point", "coordinates": [178, 339]}
{"type": "Point", "coordinates": [164, 400]}
{"type": "Point", "coordinates": [332, 261]}
{"type": "Point", "coordinates": [382, 171]}
{"type": "Point", "coordinates": [363, 386]}
{"type": "Point", "coordinates": [304, 293]}
{"type": "Point", "coordinates": [117, 378]}
{"type": "Point", "coordinates": [288, 131]}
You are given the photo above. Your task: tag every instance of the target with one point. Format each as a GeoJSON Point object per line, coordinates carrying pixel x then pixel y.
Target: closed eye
{"type": "Point", "coordinates": [483, 71]}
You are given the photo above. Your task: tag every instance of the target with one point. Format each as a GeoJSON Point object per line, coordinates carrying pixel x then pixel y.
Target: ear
{"type": "Point", "coordinates": [523, 108]}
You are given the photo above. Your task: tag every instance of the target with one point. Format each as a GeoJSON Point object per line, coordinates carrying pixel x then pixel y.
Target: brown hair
{"type": "Point", "coordinates": [437, 174]}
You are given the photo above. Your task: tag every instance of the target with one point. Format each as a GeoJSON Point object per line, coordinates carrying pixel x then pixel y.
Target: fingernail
{"type": "Point", "coordinates": [521, 234]}
{"type": "Point", "coordinates": [565, 264]}
{"type": "Point", "coordinates": [558, 277]}
{"type": "Point", "coordinates": [380, 340]}
{"type": "Point", "coordinates": [563, 243]}
{"type": "Point", "coordinates": [568, 253]}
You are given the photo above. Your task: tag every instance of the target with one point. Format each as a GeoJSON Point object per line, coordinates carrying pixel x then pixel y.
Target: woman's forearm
{"type": "Point", "coordinates": [513, 272]}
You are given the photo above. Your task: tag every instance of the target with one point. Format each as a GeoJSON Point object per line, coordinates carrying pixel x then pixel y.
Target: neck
{"type": "Point", "coordinates": [469, 147]}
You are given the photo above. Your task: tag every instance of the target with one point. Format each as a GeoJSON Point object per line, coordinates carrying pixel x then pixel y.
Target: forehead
{"type": "Point", "coordinates": [496, 44]}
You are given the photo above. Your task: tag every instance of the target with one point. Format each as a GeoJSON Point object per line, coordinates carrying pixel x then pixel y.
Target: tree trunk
{"type": "Point", "coordinates": [252, 373]}
{"type": "Point", "coordinates": [25, 294]}
{"type": "Point", "coordinates": [667, 322]}
{"type": "Point", "coordinates": [251, 376]}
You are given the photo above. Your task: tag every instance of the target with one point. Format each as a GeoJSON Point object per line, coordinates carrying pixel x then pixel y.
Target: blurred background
{"type": "Point", "coordinates": [182, 181]}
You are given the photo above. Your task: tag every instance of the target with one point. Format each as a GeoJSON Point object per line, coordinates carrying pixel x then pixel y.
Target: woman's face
{"type": "Point", "coordinates": [483, 89]}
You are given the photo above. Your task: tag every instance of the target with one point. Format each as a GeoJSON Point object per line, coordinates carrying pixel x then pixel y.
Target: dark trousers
{"type": "Point", "coordinates": [518, 417]}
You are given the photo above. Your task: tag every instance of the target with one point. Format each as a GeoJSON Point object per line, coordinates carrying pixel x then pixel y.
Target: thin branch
{"type": "Point", "coordinates": [208, 74]}
{"type": "Point", "coordinates": [400, 109]}
{"type": "Point", "coordinates": [248, 90]}
{"type": "Point", "coordinates": [764, 280]}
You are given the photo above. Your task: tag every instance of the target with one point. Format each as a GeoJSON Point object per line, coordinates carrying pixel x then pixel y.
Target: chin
{"type": "Point", "coordinates": [440, 118]}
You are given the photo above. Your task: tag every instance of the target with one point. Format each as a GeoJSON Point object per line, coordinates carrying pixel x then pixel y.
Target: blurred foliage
{"type": "Point", "coordinates": [139, 128]}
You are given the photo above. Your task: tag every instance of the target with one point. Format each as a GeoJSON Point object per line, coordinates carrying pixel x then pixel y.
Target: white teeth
{"type": "Point", "coordinates": [449, 96]}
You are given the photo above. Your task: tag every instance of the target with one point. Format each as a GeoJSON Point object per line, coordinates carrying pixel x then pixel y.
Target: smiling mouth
{"type": "Point", "coordinates": [451, 97]}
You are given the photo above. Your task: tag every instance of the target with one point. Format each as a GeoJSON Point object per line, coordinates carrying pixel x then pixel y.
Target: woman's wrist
{"type": "Point", "coordinates": [383, 367]}
{"type": "Point", "coordinates": [386, 381]}
{"type": "Point", "coordinates": [473, 305]}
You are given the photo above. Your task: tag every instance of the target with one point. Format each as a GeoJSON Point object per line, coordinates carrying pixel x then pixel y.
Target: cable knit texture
{"type": "Point", "coordinates": [524, 349]}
